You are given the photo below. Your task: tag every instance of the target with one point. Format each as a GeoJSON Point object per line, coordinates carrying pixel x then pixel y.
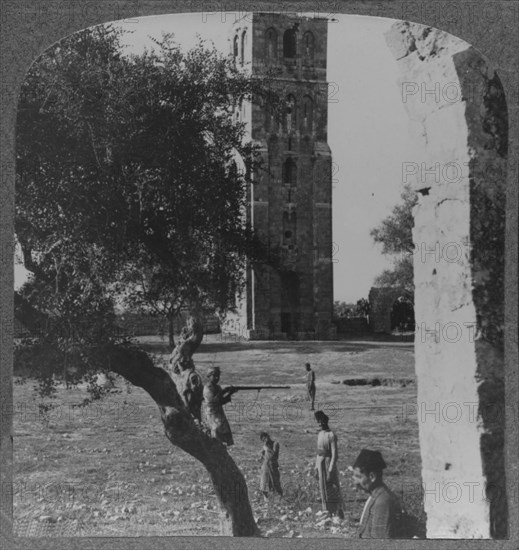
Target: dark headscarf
{"type": "Point", "coordinates": [320, 416]}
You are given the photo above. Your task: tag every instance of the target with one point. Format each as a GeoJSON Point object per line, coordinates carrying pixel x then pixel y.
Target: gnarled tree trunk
{"type": "Point", "coordinates": [171, 330]}
{"type": "Point", "coordinates": [229, 484]}
{"type": "Point", "coordinates": [137, 367]}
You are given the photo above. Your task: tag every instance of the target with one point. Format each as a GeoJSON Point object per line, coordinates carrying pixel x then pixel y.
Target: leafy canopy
{"type": "Point", "coordinates": [395, 235]}
{"type": "Point", "coordinates": [128, 189]}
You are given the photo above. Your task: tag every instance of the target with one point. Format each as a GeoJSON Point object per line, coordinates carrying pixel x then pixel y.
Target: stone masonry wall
{"type": "Point", "coordinates": [458, 116]}
{"type": "Point", "coordinates": [381, 300]}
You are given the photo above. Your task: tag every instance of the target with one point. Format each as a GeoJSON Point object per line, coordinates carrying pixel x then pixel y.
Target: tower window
{"type": "Point", "coordinates": [271, 44]}
{"type": "Point", "coordinates": [235, 48]}
{"type": "Point", "coordinates": [271, 123]}
{"type": "Point", "coordinates": [290, 171]}
{"type": "Point", "coordinates": [243, 43]}
{"type": "Point", "coordinates": [289, 43]}
{"type": "Point", "coordinates": [308, 114]}
{"type": "Point", "coordinates": [308, 46]}
{"type": "Point", "coordinates": [290, 114]}
{"type": "Point", "coordinates": [289, 228]}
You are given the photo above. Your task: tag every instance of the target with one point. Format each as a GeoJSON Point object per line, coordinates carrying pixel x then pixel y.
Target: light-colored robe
{"type": "Point", "coordinates": [331, 496]}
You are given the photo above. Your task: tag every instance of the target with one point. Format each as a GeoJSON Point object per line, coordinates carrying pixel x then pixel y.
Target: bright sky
{"type": "Point", "coordinates": [367, 131]}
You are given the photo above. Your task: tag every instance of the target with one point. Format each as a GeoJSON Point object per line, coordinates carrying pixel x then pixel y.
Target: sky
{"type": "Point", "coordinates": [367, 131]}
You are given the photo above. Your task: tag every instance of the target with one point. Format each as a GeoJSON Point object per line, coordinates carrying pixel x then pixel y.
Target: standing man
{"type": "Point", "coordinates": [326, 468]}
{"type": "Point", "coordinates": [379, 517]}
{"type": "Point", "coordinates": [310, 385]}
{"type": "Point", "coordinates": [214, 399]}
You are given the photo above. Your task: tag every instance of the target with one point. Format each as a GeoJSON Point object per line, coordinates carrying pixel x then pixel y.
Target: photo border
{"type": "Point", "coordinates": [30, 27]}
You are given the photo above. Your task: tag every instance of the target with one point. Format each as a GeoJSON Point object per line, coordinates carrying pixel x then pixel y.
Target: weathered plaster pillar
{"type": "Point", "coordinates": [458, 115]}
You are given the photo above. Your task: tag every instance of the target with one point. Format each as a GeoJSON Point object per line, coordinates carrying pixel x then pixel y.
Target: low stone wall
{"type": "Point", "coordinates": [148, 325]}
{"type": "Point", "coordinates": [356, 325]}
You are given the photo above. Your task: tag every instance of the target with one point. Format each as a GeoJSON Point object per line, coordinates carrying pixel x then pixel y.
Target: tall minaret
{"type": "Point", "coordinates": [291, 198]}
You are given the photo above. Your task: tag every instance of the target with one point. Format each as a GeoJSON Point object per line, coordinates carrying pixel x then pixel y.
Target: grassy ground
{"type": "Point", "coordinates": [108, 470]}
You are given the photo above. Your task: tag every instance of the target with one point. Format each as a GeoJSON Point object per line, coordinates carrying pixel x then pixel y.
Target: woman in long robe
{"type": "Point", "coordinates": [269, 476]}
{"type": "Point", "coordinates": [326, 468]}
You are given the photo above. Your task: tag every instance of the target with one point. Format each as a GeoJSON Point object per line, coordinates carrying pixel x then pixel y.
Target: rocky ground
{"type": "Point", "coordinates": [107, 469]}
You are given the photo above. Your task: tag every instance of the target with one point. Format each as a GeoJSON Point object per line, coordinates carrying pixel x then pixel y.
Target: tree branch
{"type": "Point", "coordinates": [228, 482]}
{"type": "Point", "coordinates": [30, 264]}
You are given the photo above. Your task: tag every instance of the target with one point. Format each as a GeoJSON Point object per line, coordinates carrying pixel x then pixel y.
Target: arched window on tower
{"type": "Point", "coordinates": [241, 108]}
{"type": "Point", "coordinates": [307, 115]}
{"type": "Point", "coordinates": [289, 229]}
{"type": "Point", "coordinates": [243, 44]}
{"type": "Point", "coordinates": [271, 121]}
{"type": "Point", "coordinates": [290, 114]}
{"type": "Point", "coordinates": [235, 48]}
{"type": "Point", "coordinates": [308, 46]}
{"type": "Point", "coordinates": [271, 44]}
{"type": "Point", "coordinates": [289, 43]}
{"type": "Point", "coordinates": [290, 172]}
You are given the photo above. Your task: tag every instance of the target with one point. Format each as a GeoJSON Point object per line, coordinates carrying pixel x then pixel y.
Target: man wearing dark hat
{"type": "Point", "coordinates": [378, 520]}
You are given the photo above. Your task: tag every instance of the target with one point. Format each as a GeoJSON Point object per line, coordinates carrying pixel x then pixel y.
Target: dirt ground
{"type": "Point", "coordinates": [108, 470]}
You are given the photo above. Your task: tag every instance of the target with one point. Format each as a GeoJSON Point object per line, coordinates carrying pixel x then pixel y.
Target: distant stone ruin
{"type": "Point", "coordinates": [381, 302]}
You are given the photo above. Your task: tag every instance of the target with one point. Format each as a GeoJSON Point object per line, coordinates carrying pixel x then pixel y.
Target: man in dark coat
{"type": "Point", "coordinates": [379, 517]}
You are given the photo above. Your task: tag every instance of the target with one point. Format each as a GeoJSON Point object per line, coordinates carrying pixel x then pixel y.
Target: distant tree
{"type": "Point", "coordinates": [362, 307]}
{"type": "Point", "coordinates": [395, 235]}
{"type": "Point", "coordinates": [127, 192]}
{"type": "Point", "coordinates": [342, 309]}
{"type": "Point", "coordinates": [400, 276]}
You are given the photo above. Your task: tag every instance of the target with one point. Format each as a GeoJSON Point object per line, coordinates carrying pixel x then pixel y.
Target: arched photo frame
{"type": "Point", "coordinates": [490, 28]}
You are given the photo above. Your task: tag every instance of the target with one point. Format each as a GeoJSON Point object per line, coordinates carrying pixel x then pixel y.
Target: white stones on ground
{"type": "Point", "coordinates": [129, 509]}
{"type": "Point", "coordinates": [324, 522]}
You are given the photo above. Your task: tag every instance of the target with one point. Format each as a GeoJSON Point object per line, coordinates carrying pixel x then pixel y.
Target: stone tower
{"type": "Point", "coordinates": [290, 201]}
